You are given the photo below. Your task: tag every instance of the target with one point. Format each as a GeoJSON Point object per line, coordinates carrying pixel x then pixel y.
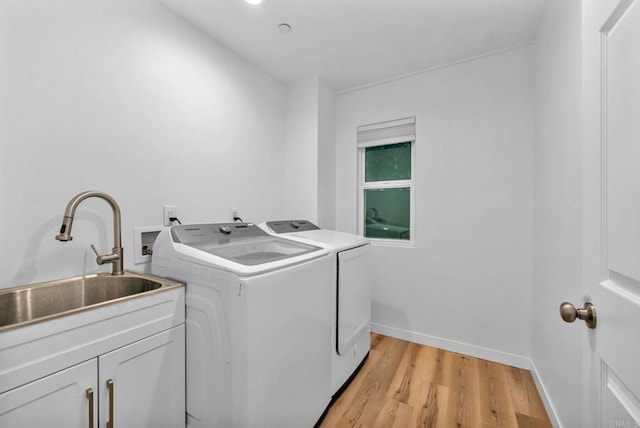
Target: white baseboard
{"type": "Point", "coordinates": [453, 346]}
{"type": "Point", "coordinates": [548, 405]}
{"type": "Point", "coordinates": [478, 352]}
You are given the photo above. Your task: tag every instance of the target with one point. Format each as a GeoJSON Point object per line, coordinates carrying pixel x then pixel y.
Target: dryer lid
{"type": "Point", "coordinates": [288, 226]}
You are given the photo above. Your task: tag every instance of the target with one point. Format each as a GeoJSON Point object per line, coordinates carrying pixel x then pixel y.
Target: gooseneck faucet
{"type": "Point", "coordinates": [65, 230]}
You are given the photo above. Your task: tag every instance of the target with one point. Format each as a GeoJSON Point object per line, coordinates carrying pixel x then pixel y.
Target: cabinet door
{"type": "Point", "coordinates": [143, 384]}
{"type": "Point", "coordinates": [58, 400]}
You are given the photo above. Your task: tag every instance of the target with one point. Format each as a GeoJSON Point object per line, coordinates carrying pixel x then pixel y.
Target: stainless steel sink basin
{"type": "Point", "coordinates": [28, 304]}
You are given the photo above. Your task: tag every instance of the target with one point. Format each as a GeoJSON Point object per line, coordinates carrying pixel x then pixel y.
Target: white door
{"type": "Point", "coordinates": [143, 384]}
{"type": "Point", "coordinates": [66, 399]}
{"type": "Point", "coordinates": [611, 161]}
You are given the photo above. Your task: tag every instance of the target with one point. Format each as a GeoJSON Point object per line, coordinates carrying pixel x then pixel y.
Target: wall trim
{"type": "Point", "coordinates": [437, 67]}
{"type": "Point", "coordinates": [477, 352]}
{"type": "Point", "coordinates": [454, 346]}
{"type": "Point", "coordinates": [544, 395]}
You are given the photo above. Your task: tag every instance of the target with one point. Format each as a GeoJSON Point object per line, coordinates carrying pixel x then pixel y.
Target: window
{"type": "Point", "coordinates": [386, 175]}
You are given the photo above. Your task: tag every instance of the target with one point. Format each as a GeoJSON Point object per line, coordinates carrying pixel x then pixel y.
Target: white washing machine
{"type": "Point", "coordinates": [258, 324]}
{"type": "Point", "coordinates": [350, 292]}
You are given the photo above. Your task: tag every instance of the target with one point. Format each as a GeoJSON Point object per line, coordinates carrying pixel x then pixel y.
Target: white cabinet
{"type": "Point", "coordinates": [146, 389]}
{"type": "Point", "coordinates": [143, 384]}
{"type": "Point", "coordinates": [58, 400]}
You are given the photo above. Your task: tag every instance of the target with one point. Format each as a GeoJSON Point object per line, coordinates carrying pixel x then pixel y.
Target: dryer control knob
{"type": "Point", "coordinates": [225, 229]}
{"type": "Point", "coordinates": [295, 225]}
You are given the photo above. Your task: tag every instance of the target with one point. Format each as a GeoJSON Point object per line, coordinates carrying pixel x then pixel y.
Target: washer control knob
{"type": "Point", "coordinates": [225, 229]}
{"type": "Point", "coordinates": [295, 225]}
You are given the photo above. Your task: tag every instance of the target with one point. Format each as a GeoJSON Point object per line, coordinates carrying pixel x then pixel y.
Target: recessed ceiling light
{"type": "Point", "coordinates": [254, 2]}
{"type": "Point", "coordinates": [284, 28]}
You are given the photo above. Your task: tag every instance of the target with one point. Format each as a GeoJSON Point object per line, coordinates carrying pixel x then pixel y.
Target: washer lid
{"type": "Point", "coordinates": [243, 243]}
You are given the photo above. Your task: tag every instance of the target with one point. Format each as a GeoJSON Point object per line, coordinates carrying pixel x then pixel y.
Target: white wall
{"type": "Point", "coordinates": [301, 151]}
{"type": "Point", "coordinates": [326, 156]}
{"type": "Point", "coordinates": [557, 201]}
{"type": "Point", "coordinates": [309, 152]}
{"type": "Point", "coordinates": [123, 96]}
{"type": "Point", "coordinates": [466, 285]}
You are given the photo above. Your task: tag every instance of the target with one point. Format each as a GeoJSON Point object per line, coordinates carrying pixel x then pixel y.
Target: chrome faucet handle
{"type": "Point", "coordinates": [95, 250]}
{"type": "Point", "coordinates": [104, 258]}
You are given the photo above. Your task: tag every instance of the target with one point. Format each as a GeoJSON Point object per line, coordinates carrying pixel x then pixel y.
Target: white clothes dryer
{"type": "Point", "coordinates": [257, 324]}
{"type": "Point", "coordinates": [350, 292]}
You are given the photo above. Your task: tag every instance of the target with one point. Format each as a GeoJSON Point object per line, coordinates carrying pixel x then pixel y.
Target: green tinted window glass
{"type": "Point", "coordinates": [386, 163]}
{"type": "Point", "coordinates": [387, 213]}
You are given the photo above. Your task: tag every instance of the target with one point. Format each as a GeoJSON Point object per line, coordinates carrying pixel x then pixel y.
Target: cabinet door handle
{"type": "Point", "coordinates": [90, 398]}
{"type": "Point", "coordinates": [110, 387]}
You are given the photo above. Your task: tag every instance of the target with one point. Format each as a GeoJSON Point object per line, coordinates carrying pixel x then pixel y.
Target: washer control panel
{"type": "Point", "coordinates": [215, 232]}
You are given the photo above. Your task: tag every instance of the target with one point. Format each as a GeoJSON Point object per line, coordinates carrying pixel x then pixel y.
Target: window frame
{"type": "Point", "coordinates": [390, 184]}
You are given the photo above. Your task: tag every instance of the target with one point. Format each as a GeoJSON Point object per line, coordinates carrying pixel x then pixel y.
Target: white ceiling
{"type": "Point", "coordinates": [352, 43]}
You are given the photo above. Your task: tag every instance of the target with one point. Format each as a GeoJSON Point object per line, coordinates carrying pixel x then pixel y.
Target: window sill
{"type": "Point", "coordinates": [396, 243]}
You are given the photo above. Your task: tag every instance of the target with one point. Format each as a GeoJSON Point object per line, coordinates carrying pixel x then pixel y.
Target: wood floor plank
{"type": "Point", "coordinates": [427, 396]}
{"type": "Point", "coordinates": [427, 370]}
{"type": "Point", "coordinates": [526, 399]}
{"type": "Point", "coordinates": [405, 384]}
{"type": "Point", "coordinates": [536, 407]}
{"type": "Point", "coordinates": [518, 390]}
{"type": "Point", "coordinates": [376, 339]}
{"type": "Point", "coordinates": [432, 413]}
{"type": "Point", "coordinates": [344, 401]}
{"type": "Point", "coordinates": [345, 423]}
{"type": "Point", "coordinates": [461, 378]}
{"type": "Point", "coordinates": [400, 388]}
{"type": "Point", "coordinates": [393, 414]}
{"type": "Point", "coordinates": [525, 421]}
{"type": "Point", "coordinates": [370, 396]}
{"type": "Point", "coordinates": [495, 405]}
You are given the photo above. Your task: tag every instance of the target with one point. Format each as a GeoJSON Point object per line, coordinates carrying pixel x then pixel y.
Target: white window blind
{"type": "Point", "coordinates": [391, 132]}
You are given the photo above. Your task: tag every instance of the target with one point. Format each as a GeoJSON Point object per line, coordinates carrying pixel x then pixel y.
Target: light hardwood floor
{"type": "Point", "coordinates": [404, 384]}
